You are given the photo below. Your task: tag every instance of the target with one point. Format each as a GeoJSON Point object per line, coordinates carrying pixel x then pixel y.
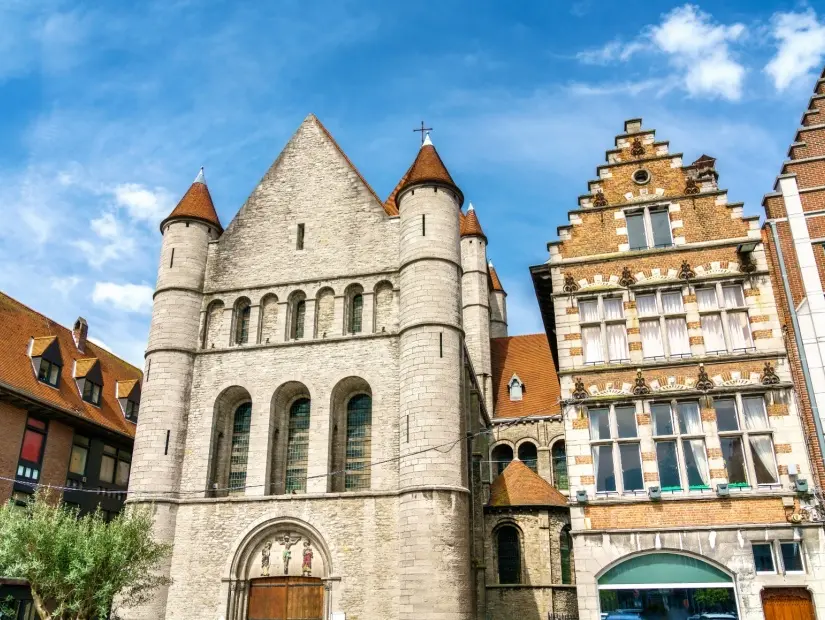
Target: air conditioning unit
{"type": "Point", "coordinates": [800, 485]}
{"type": "Point", "coordinates": [722, 489]}
{"type": "Point", "coordinates": [654, 492]}
{"type": "Point", "coordinates": [581, 496]}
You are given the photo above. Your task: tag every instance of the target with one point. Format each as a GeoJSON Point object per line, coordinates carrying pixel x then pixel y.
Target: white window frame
{"type": "Point", "coordinates": [745, 435]}
{"type": "Point", "coordinates": [785, 571]}
{"type": "Point", "coordinates": [648, 225]}
{"type": "Point", "coordinates": [679, 437]}
{"type": "Point", "coordinates": [603, 324]}
{"type": "Point", "coordinates": [774, 558]}
{"type": "Point", "coordinates": [615, 441]}
{"type": "Point", "coordinates": [723, 312]}
{"type": "Point", "coordinates": [663, 318]}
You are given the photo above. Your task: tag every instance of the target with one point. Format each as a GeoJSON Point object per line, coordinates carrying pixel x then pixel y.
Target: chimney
{"type": "Point", "coordinates": [79, 333]}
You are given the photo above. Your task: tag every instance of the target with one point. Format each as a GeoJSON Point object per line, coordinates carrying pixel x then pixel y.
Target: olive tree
{"type": "Point", "coordinates": [80, 567]}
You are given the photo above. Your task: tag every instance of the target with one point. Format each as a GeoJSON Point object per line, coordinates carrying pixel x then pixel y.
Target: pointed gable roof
{"type": "Point", "coordinates": [429, 168]}
{"type": "Point", "coordinates": [196, 204]}
{"type": "Point", "coordinates": [518, 485]}
{"type": "Point", "coordinates": [494, 281]}
{"type": "Point", "coordinates": [470, 226]}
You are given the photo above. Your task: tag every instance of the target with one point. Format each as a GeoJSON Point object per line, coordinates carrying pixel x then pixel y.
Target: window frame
{"type": "Point", "coordinates": [89, 386]}
{"type": "Point", "coordinates": [745, 434]}
{"type": "Point", "coordinates": [53, 368]}
{"type": "Point", "coordinates": [724, 312]}
{"type": "Point", "coordinates": [772, 551]}
{"type": "Point", "coordinates": [358, 478]}
{"type": "Point", "coordinates": [356, 319]}
{"type": "Point", "coordinates": [647, 220]}
{"type": "Point", "coordinates": [615, 442]}
{"type": "Point", "coordinates": [24, 465]}
{"type": "Point", "coordinates": [603, 324]}
{"type": "Point", "coordinates": [785, 570]}
{"type": "Point", "coordinates": [131, 410]}
{"type": "Point", "coordinates": [78, 442]}
{"type": "Point", "coordinates": [518, 555]}
{"type": "Point", "coordinates": [678, 437]}
{"type": "Point", "coordinates": [297, 464]}
{"type": "Point", "coordinates": [662, 318]}
{"type": "Point", "coordinates": [243, 319]}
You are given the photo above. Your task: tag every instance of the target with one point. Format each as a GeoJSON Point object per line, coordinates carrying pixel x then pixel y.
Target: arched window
{"type": "Point", "coordinates": [501, 456]}
{"type": "Point", "coordinates": [240, 449]}
{"type": "Point", "coordinates": [243, 310]}
{"type": "Point", "coordinates": [559, 456]}
{"type": "Point", "coordinates": [509, 555]}
{"type": "Point", "coordinates": [212, 329]}
{"type": "Point", "coordinates": [528, 454]}
{"type": "Point", "coordinates": [297, 446]}
{"type": "Point", "coordinates": [384, 307]}
{"type": "Point", "coordinates": [359, 443]}
{"type": "Point", "coordinates": [325, 312]}
{"type": "Point", "coordinates": [269, 318]}
{"type": "Point", "coordinates": [566, 554]}
{"type": "Point", "coordinates": [355, 314]}
{"type": "Point", "coordinates": [299, 310]}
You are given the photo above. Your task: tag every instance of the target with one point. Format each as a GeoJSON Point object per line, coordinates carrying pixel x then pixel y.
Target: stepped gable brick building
{"type": "Point", "coordinates": [795, 237]}
{"type": "Point", "coordinates": [314, 430]}
{"type": "Point", "coordinates": [69, 409]}
{"type": "Point", "coordinates": [687, 459]}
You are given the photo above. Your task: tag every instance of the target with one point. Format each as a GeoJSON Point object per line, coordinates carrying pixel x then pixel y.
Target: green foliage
{"type": "Point", "coordinates": [709, 598]}
{"type": "Point", "coordinates": [77, 567]}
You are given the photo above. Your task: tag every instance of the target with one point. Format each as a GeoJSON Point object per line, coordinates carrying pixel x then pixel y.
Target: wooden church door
{"type": "Point", "coordinates": [787, 604]}
{"type": "Point", "coordinates": [286, 598]}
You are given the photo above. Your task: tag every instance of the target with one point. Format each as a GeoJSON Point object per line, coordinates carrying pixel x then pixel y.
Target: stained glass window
{"type": "Point", "coordinates": [359, 443]}
{"type": "Point", "coordinates": [240, 449]}
{"type": "Point", "coordinates": [566, 551]}
{"type": "Point", "coordinates": [509, 556]}
{"type": "Point", "coordinates": [297, 446]}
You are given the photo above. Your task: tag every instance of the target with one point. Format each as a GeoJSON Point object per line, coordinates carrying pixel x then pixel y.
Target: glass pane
{"type": "Point", "coordinates": [668, 464]}
{"type": "Point", "coordinates": [613, 309]}
{"type": "Point", "coordinates": [592, 344]}
{"type": "Point", "coordinates": [631, 460]}
{"type": "Point", "coordinates": [123, 473]}
{"type": "Point", "coordinates": [726, 419]}
{"type": "Point", "coordinates": [109, 450]}
{"type": "Point", "coordinates": [560, 465]}
{"type": "Point", "coordinates": [712, 332]}
{"type": "Point", "coordinates": [107, 468]}
{"type": "Point", "coordinates": [636, 231]}
{"type": "Point", "coordinates": [734, 455]}
{"type": "Point", "coordinates": [240, 448]}
{"type": "Point", "coordinates": [763, 558]}
{"type": "Point", "coordinates": [753, 409]}
{"type": "Point", "coordinates": [660, 220]}
{"type": "Point", "coordinates": [501, 456]}
{"type": "Point", "coordinates": [646, 305]}
{"type": "Point", "coordinates": [599, 423]}
{"type": "Point", "coordinates": [298, 327]}
{"type": "Point", "coordinates": [626, 421]}
{"type": "Point", "coordinates": [690, 421]}
{"type": "Point", "coordinates": [662, 420]}
{"type": "Point", "coordinates": [528, 454]}
{"type": "Point", "coordinates": [706, 298]}
{"type": "Point", "coordinates": [652, 345]}
{"type": "Point", "coordinates": [359, 443]}
{"type": "Point", "coordinates": [672, 302]}
{"type": "Point", "coordinates": [696, 463]}
{"type": "Point", "coordinates": [297, 446]}
{"type": "Point", "coordinates": [509, 556]}
{"type": "Point", "coordinates": [792, 557]}
{"type": "Point", "coordinates": [588, 310]}
{"type": "Point", "coordinates": [77, 462]}
{"type": "Point", "coordinates": [739, 328]}
{"type": "Point", "coordinates": [356, 313]}
{"type": "Point", "coordinates": [617, 342]}
{"type": "Point", "coordinates": [734, 296]}
{"type": "Point", "coordinates": [32, 448]}
{"type": "Point", "coordinates": [603, 466]}
{"type": "Point", "coordinates": [677, 336]}
{"type": "Point", "coordinates": [35, 423]}
{"type": "Point", "coordinates": [764, 463]}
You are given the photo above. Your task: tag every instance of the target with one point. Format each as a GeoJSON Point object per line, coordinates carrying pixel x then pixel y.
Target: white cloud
{"type": "Point", "coordinates": [143, 203]}
{"type": "Point", "coordinates": [696, 47]}
{"type": "Point", "coordinates": [114, 241]}
{"type": "Point", "coordinates": [618, 88]}
{"type": "Point", "coordinates": [800, 45]}
{"type": "Point", "coordinates": [127, 297]}
{"type": "Point", "coordinates": [65, 285]}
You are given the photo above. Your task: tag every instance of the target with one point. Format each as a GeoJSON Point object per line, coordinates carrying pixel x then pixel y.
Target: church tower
{"type": "Point", "coordinates": [475, 300]}
{"type": "Point", "coordinates": [434, 501]}
{"type": "Point", "coordinates": [173, 338]}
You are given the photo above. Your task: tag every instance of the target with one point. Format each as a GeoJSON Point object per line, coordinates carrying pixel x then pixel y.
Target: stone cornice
{"type": "Point", "coordinates": [708, 360]}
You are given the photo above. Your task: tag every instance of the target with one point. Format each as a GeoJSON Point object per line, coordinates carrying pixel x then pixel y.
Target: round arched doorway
{"type": "Point", "coordinates": [666, 586]}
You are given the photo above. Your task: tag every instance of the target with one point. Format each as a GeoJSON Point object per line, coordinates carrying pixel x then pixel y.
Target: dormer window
{"type": "Point", "coordinates": [46, 359]}
{"type": "Point", "coordinates": [128, 395]}
{"type": "Point", "coordinates": [131, 410]}
{"type": "Point", "coordinates": [516, 388]}
{"type": "Point", "coordinates": [89, 379]}
{"type": "Point", "coordinates": [91, 392]}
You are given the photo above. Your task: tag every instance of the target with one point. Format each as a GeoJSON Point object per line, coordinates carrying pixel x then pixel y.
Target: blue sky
{"type": "Point", "coordinates": [108, 111]}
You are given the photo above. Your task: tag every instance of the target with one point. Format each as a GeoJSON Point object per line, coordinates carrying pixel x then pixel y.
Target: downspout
{"type": "Point", "coordinates": [803, 359]}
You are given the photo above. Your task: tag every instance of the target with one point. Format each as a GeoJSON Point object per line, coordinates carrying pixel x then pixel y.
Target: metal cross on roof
{"type": "Point", "coordinates": [423, 131]}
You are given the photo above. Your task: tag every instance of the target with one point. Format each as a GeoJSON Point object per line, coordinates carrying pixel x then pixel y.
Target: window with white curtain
{"type": "Point", "coordinates": [603, 329]}
{"type": "Point", "coordinates": [663, 324]}
{"type": "Point", "coordinates": [679, 439]}
{"type": "Point", "coordinates": [724, 318]}
{"type": "Point", "coordinates": [648, 227]}
{"type": "Point", "coordinates": [615, 447]}
{"type": "Point", "coordinates": [746, 440]}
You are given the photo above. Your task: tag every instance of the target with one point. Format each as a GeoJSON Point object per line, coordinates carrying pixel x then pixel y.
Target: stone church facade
{"type": "Point", "coordinates": [314, 438]}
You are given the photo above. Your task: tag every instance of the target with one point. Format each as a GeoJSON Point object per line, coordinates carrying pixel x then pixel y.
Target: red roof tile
{"type": "Point", "coordinates": [529, 358]}
{"type": "Point", "coordinates": [471, 227]}
{"type": "Point", "coordinates": [18, 325]}
{"type": "Point", "coordinates": [494, 281]}
{"type": "Point", "coordinates": [390, 204]}
{"type": "Point", "coordinates": [518, 485]}
{"type": "Point", "coordinates": [196, 204]}
{"type": "Point", "coordinates": [428, 167]}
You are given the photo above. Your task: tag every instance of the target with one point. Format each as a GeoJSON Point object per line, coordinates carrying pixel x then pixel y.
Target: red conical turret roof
{"type": "Point", "coordinates": [196, 204]}
{"type": "Point", "coordinates": [428, 168]}
{"type": "Point", "coordinates": [470, 226]}
{"type": "Point", "coordinates": [496, 283]}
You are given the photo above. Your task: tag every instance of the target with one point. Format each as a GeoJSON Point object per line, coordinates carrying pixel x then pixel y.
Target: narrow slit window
{"type": "Point", "coordinates": [423, 225]}
{"type": "Point", "coordinates": [172, 258]}
{"type": "Point", "coordinates": [299, 245]}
